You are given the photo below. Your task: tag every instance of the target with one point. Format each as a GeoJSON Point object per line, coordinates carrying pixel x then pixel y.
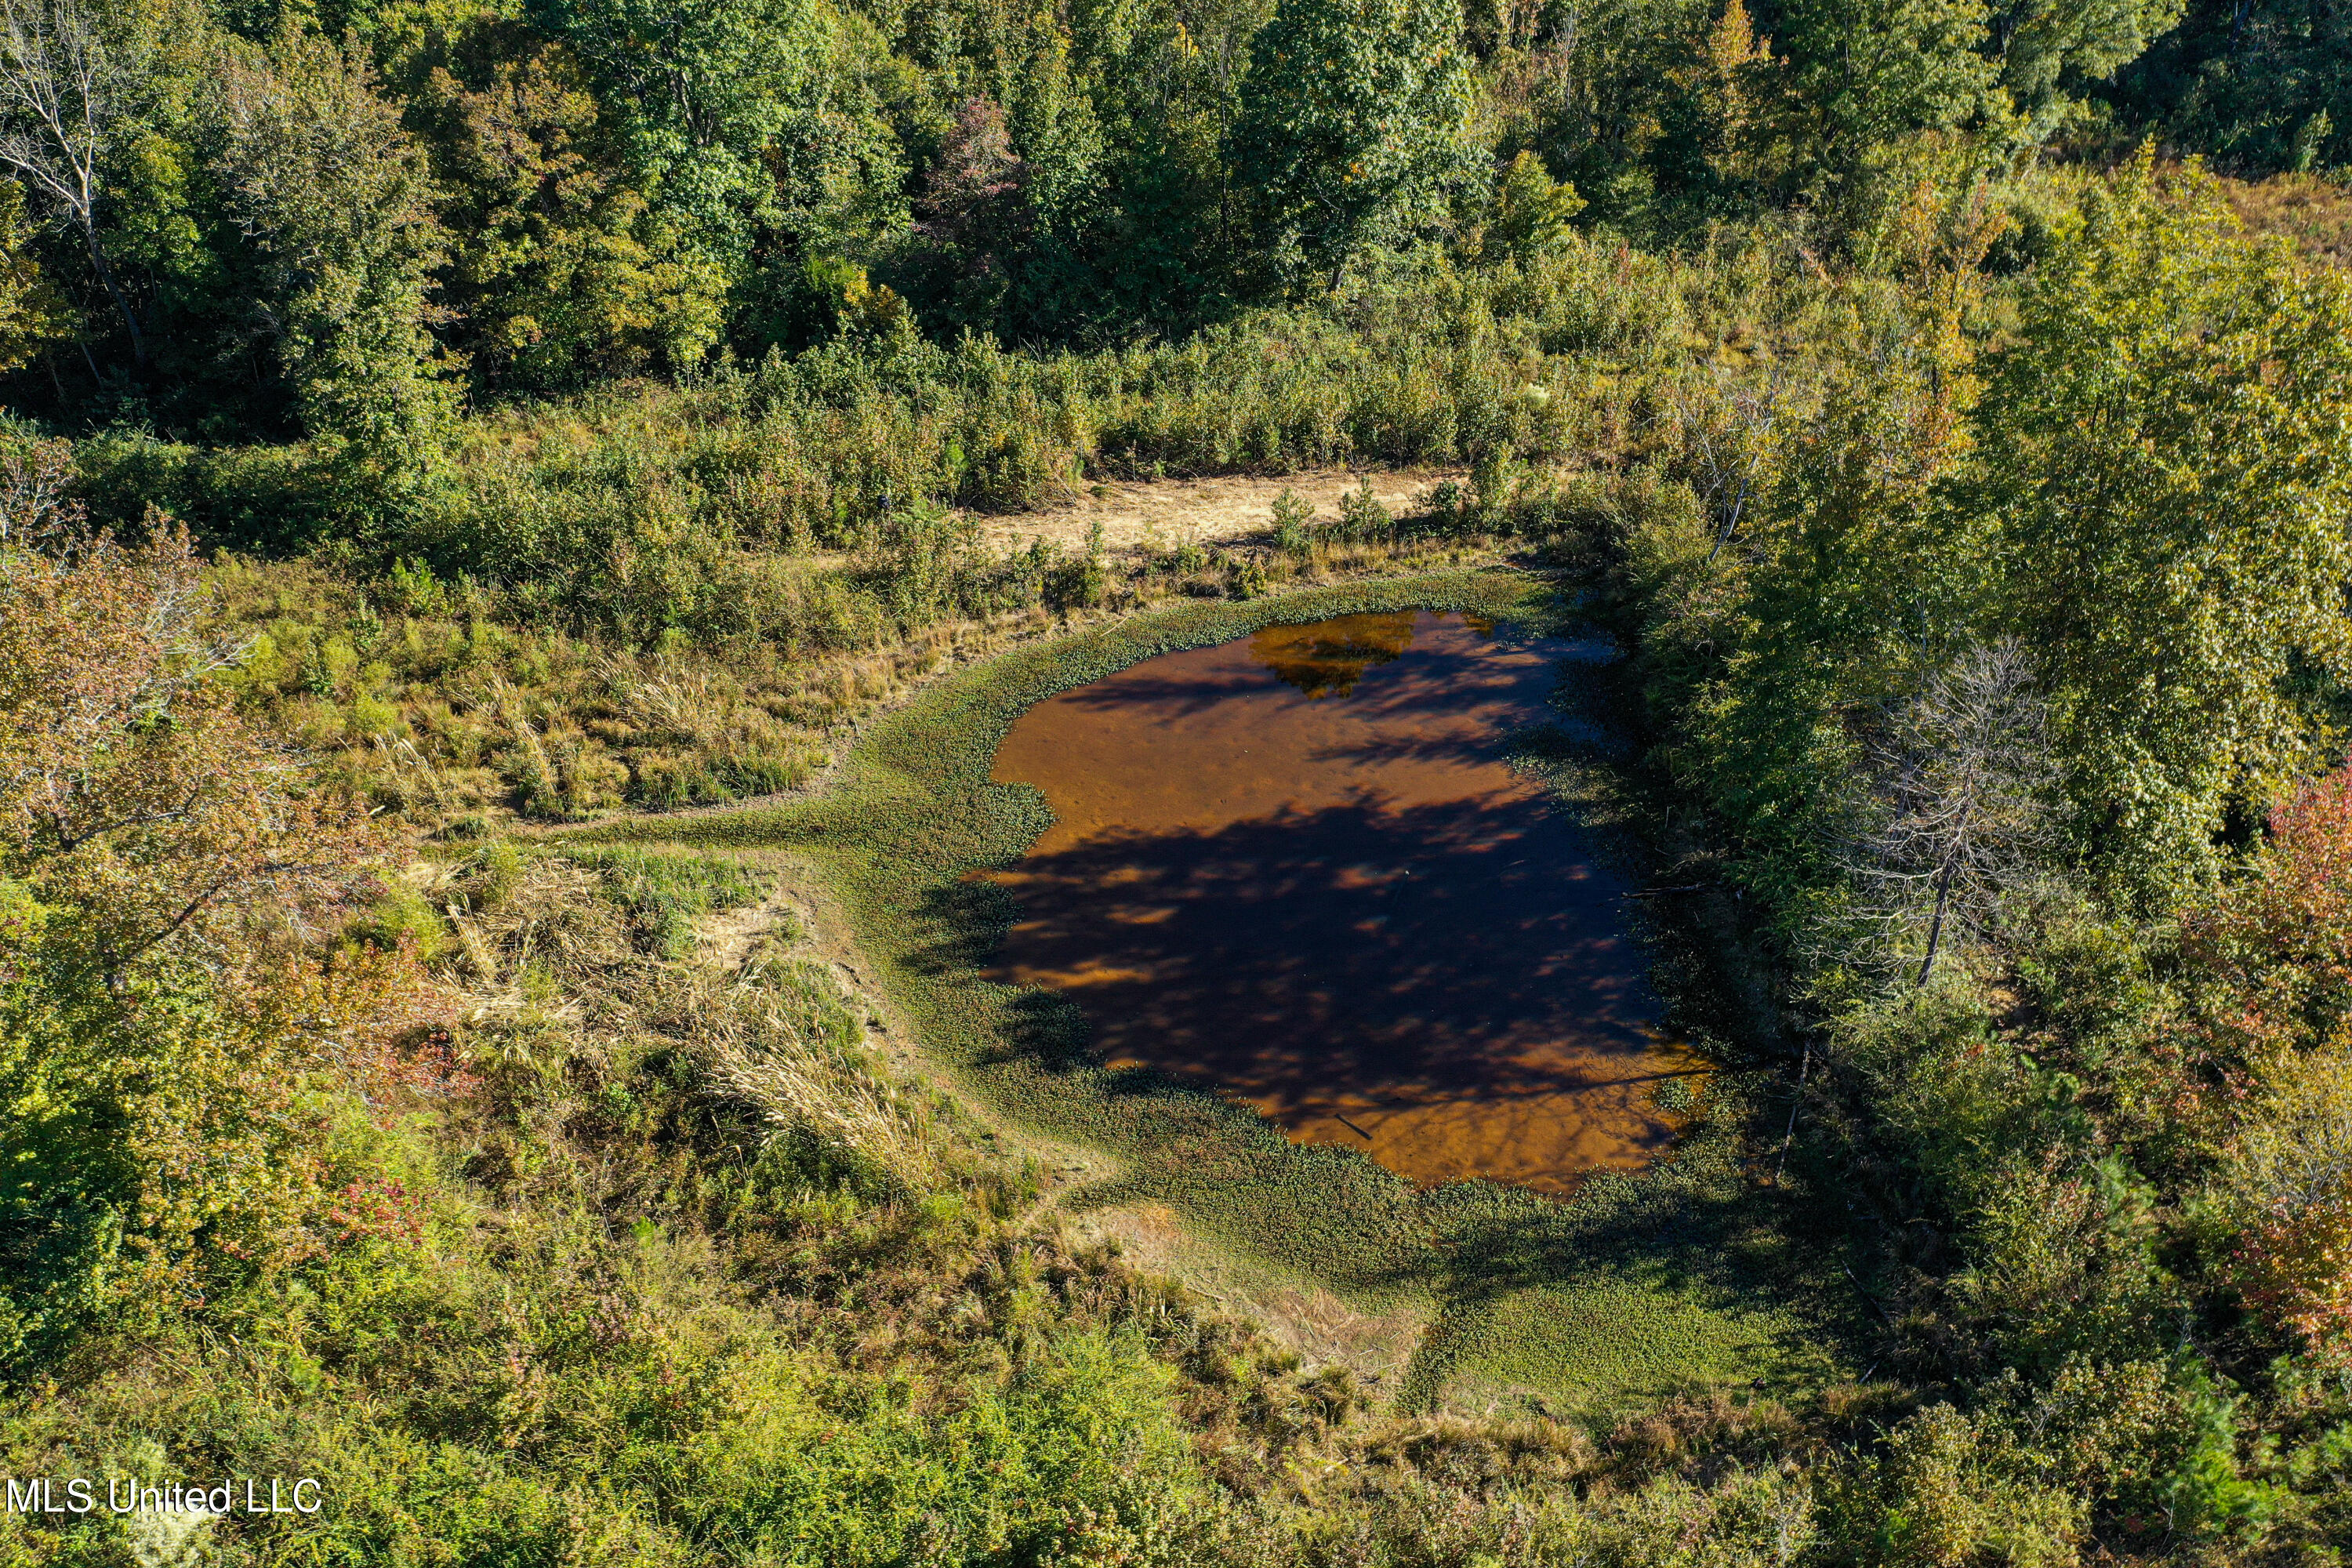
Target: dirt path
{"type": "Point", "coordinates": [1295, 1312]}
{"type": "Point", "coordinates": [1164, 513]}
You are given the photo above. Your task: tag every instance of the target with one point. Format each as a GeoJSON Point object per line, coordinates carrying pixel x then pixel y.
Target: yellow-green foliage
{"type": "Point", "coordinates": [442, 708]}
{"type": "Point", "coordinates": [914, 810]}
{"type": "Point", "coordinates": [405, 915]}
{"type": "Point", "coordinates": [171, 1135]}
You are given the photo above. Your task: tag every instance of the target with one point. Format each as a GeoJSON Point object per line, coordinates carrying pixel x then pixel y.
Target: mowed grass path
{"type": "Point", "coordinates": [1680, 1279]}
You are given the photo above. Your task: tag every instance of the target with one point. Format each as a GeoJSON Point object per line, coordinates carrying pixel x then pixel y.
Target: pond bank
{"type": "Point", "coordinates": [1676, 1279]}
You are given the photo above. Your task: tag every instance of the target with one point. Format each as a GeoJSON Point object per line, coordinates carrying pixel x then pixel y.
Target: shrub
{"type": "Point", "coordinates": [1293, 526]}
{"type": "Point", "coordinates": [402, 918]}
{"type": "Point", "coordinates": [668, 893]}
{"type": "Point", "coordinates": [1949, 1489]}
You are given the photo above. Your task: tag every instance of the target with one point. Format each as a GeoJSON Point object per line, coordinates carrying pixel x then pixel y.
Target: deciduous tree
{"type": "Point", "coordinates": [132, 792]}
{"type": "Point", "coordinates": [2047, 53]}
{"type": "Point", "coordinates": [1354, 124]}
{"type": "Point", "coordinates": [65, 85]}
{"type": "Point", "coordinates": [2270, 965]}
{"type": "Point", "coordinates": [2166, 454]}
{"type": "Point", "coordinates": [1862, 73]}
{"type": "Point", "coordinates": [559, 270]}
{"type": "Point", "coordinates": [701, 97]}
{"type": "Point", "coordinates": [32, 313]}
{"type": "Point", "coordinates": [1531, 209]}
{"type": "Point", "coordinates": [336, 193]}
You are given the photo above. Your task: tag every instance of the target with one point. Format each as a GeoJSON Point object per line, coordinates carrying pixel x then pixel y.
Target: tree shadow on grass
{"type": "Point", "coordinates": [1699, 1237]}
{"type": "Point", "coordinates": [959, 928]}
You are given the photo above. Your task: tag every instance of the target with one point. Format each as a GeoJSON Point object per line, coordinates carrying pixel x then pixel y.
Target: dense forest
{"type": "Point", "coordinates": [443, 437]}
{"type": "Point", "coordinates": [238, 226]}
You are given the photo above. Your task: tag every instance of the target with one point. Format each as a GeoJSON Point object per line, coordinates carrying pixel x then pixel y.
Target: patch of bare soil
{"type": "Point", "coordinates": [727, 938]}
{"type": "Point", "coordinates": [1166, 513]}
{"type": "Point", "coordinates": [1300, 1316]}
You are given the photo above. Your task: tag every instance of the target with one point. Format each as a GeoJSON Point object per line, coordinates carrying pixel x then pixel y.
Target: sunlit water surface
{"type": "Point", "coordinates": [1296, 868]}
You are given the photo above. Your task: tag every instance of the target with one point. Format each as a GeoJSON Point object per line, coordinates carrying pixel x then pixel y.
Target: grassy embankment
{"type": "Point", "coordinates": [676, 1272]}
{"type": "Point", "coordinates": [655, 597]}
{"type": "Point", "coordinates": [1681, 1277]}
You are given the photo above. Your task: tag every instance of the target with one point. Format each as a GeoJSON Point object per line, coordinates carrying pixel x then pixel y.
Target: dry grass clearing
{"type": "Point", "coordinates": [1167, 513]}
{"type": "Point", "coordinates": [2316, 212]}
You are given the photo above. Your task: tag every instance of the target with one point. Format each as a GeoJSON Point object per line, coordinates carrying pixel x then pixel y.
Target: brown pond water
{"type": "Point", "coordinates": [1295, 867]}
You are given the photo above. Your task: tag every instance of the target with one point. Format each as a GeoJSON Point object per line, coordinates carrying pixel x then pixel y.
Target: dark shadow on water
{"type": "Point", "coordinates": [1438, 946]}
{"type": "Point", "coordinates": [1345, 908]}
{"type": "Point", "coordinates": [1409, 749]}
{"type": "Point", "coordinates": [1172, 698]}
{"type": "Point", "coordinates": [1321, 659]}
{"type": "Point", "coordinates": [1461, 961]}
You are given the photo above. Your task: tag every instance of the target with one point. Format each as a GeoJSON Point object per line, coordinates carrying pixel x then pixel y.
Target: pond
{"type": "Point", "coordinates": [1296, 867]}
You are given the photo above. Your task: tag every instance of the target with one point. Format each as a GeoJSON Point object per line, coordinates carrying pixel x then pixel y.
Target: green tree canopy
{"type": "Point", "coordinates": [336, 194]}
{"type": "Point", "coordinates": [2168, 453]}
{"type": "Point", "coordinates": [1354, 122]}
{"type": "Point", "coordinates": [2048, 52]}
{"type": "Point", "coordinates": [702, 96]}
{"type": "Point", "coordinates": [1865, 72]}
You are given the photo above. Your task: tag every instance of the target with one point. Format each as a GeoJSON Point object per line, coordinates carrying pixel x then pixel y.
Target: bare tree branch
{"type": "Point", "coordinates": [62, 95]}
{"type": "Point", "coordinates": [1960, 775]}
{"type": "Point", "coordinates": [1732, 450]}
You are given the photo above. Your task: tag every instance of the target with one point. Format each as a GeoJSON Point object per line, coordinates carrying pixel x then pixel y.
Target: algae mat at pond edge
{"type": "Point", "coordinates": [1677, 1277]}
{"type": "Point", "coordinates": [1296, 867]}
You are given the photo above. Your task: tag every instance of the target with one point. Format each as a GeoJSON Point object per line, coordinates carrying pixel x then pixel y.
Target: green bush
{"type": "Point", "coordinates": [1293, 526]}
{"type": "Point", "coordinates": [668, 893]}
{"type": "Point", "coordinates": [1948, 1489]}
{"type": "Point", "coordinates": [405, 915]}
